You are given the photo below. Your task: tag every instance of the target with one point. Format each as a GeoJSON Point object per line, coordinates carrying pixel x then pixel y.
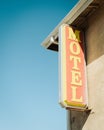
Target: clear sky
{"type": "Point", "coordinates": [28, 72]}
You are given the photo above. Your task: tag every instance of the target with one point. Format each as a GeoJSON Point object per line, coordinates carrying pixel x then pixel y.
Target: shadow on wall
{"type": "Point", "coordinates": [77, 119]}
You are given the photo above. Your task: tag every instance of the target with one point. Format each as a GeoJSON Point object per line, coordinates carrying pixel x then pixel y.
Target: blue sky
{"type": "Point", "coordinates": [28, 72]}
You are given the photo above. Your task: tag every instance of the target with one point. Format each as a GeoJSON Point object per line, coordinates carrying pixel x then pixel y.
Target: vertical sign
{"type": "Point", "coordinates": [73, 89]}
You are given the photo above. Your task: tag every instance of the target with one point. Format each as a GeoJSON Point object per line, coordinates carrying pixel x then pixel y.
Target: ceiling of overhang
{"type": "Point", "coordinates": [79, 22]}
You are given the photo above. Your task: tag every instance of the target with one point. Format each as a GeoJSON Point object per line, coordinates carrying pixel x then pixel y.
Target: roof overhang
{"type": "Point", "coordinates": [76, 17]}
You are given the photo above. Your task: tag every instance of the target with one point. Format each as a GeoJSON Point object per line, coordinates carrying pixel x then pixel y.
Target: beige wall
{"type": "Point", "coordinates": [94, 37]}
{"type": "Point", "coordinates": [95, 70]}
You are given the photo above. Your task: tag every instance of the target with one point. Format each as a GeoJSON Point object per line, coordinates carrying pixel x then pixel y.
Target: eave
{"type": "Point", "coordinates": [77, 17]}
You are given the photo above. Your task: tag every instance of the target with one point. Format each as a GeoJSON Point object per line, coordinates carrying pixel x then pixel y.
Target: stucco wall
{"type": "Point", "coordinates": [94, 37]}
{"type": "Point", "coordinates": [95, 70]}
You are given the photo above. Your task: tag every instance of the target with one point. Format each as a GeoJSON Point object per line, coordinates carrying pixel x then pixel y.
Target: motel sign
{"type": "Point", "coordinates": [73, 88]}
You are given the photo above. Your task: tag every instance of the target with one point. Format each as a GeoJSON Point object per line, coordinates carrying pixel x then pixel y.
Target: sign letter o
{"type": "Point", "coordinates": [74, 48]}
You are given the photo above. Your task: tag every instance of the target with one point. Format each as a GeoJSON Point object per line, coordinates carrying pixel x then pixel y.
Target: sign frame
{"type": "Point", "coordinates": [72, 73]}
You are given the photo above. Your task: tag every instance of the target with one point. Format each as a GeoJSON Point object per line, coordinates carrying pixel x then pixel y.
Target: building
{"type": "Point", "coordinates": [87, 15]}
